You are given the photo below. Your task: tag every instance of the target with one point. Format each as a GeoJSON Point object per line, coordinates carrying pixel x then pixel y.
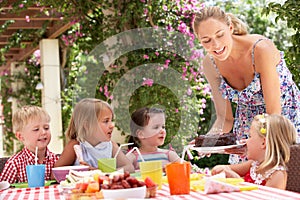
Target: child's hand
{"type": "Point", "coordinates": [86, 164]}
{"type": "Point", "coordinates": [231, 174]}
{"type": "Point", "coordinates": [219, 168]}
{"type": "Point", "coordinates": [226, 169]}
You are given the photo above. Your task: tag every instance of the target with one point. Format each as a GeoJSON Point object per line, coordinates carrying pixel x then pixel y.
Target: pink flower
{"type": "Point", "coordinates": [37, 53]}
{"type": "Point", "coordinates": [145, 11]}
{"type": "Point", "coordinates": [148, 82]}
{"type": "Point", "coordinates": [169, 27]}
{"type": "Point", "coordinates": [160, 69]}
{"type": "Point", "coordinates": [182, 27]}
{"type": "Point", "coordinates": [146, 56]}
{"type": "Point", "coordinates": [166, 65]}
{"type": "Point", "coordinates": [156, 53]}
{"type": "Point", "coordinates": [27, 18]}
{"type": "Point", "coordinates": [189, 91]}
{"type": "Point", "coordinates": [165, 8]}
{"type": "Point", "coordinates": [21, 5]}
{"type": "Point", "coordinates": [106, 92]}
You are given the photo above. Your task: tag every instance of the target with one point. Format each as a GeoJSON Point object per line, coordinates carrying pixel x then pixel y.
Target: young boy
{"type": "Point", "coordinates": [31, 126]}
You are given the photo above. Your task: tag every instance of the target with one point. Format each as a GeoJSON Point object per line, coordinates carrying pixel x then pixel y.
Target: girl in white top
{"type": "Point", "coordinates": [91, 126]}
{"type": "Point", "coordinates": [148, 133]}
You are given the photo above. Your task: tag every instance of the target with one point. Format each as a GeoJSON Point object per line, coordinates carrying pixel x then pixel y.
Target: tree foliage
{"type": "Point", "coordinates": [289, 12]}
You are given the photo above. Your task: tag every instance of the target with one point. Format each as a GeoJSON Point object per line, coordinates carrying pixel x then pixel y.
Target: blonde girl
{"type": "Point", "coordinates": [91, 127]}
{"type": "Point", "coordinates": [268, 151]}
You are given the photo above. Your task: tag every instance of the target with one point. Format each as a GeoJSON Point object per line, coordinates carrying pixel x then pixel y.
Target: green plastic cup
{"type": "Point", "coordinates": [107, 164]}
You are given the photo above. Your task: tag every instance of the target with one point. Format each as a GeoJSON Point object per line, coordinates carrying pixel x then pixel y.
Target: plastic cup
{"type": "Point", "coordinates": [153, 170]}
{"type": "Point", "coordinates": [178, 175]}
{"type": "Point", "coordinates": [107, 164]}
{"type": "Point", "coordinates": [35, 175]}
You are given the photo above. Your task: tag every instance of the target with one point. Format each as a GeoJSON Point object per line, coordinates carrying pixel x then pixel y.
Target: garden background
{"type": "Point", "coordinates": [97, 20]}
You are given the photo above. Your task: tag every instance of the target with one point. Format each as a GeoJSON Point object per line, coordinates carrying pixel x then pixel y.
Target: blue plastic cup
{"type": "Point", "coordinates": [35, 175]}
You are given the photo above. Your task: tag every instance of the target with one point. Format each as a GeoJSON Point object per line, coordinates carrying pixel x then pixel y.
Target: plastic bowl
{"type": "Point", "coordinates": [138, 192]}
{"type": "Point", "coordinates": [60, 173]}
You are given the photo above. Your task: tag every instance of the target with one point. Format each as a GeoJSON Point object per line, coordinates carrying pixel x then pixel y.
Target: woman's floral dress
{"type": "Point", "coordinates": [250, 101]}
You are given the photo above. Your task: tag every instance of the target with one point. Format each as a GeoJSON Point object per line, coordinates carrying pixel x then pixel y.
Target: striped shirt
{"type": "Point", "coordinates": [160, 154]}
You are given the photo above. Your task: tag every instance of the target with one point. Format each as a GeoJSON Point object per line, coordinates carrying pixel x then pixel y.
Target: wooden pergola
{"type": "Point", "coordinates": [31, 18]}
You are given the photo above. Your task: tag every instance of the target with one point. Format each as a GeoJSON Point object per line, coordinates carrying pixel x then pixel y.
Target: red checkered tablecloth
{"type": "Point", "coordinates": [53, 192]}
{"type": "Point", "coordinates": [42, 193]}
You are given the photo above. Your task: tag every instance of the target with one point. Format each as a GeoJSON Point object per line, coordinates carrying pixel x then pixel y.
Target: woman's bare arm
{"type": "Point", "coordinates": [267, 57]}
{"type": "Point", "coordinates": [224, 121]}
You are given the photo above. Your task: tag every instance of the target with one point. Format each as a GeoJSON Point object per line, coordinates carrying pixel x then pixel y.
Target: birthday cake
{"type": "Point", "coordinates": [215, 140]}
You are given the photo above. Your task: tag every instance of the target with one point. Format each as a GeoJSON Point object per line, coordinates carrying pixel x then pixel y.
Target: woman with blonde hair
{"type": "Point", "coordinates": [268, 151]}
{"type": "Point", "coordinates": [246, 69]}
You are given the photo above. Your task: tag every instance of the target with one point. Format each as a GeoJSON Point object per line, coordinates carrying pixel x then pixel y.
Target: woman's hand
{"type": "Point", "coordinates": [240, 150]}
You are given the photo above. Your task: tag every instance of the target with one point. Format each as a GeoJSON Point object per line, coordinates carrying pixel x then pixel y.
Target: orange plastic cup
{"type": "Point", "coordinates": [179, 177]}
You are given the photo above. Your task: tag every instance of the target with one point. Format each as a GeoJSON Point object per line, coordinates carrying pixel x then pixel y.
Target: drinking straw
{"type": "Point", "coordinates": [36, 158]}
{"type": "Point", "coordinates": [186, 149]}
{"type": "Point", "coordinates": [183, 154]}
{"type": "Point", "coordinates": [190, 156]}
{"type": "Point", "coordinates": [138, 151]}
{"type": "Point", "coordinates": [119, 149]}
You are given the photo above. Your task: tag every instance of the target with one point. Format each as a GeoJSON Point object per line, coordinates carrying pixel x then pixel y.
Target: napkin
{"type": "Point", "coordinates": [78, 152]}
{"type": "Point", "coordinates": [4, 185]}
{"type": "Point", "coordinates": [214, 186]}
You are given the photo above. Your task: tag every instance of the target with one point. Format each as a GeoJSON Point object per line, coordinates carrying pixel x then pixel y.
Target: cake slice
{"type": "Point", "coordinates": [215, 140]}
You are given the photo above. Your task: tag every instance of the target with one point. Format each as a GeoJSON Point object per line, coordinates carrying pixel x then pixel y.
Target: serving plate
{"type": "Point", "coordinates": [216, 149]}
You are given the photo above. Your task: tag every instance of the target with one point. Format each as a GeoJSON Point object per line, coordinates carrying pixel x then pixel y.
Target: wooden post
{"type": "Point", "coordinates": [51, 97]}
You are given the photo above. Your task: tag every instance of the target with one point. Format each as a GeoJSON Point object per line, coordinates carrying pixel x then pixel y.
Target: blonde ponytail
{"type": "Point", "coordinates": [239, 27]}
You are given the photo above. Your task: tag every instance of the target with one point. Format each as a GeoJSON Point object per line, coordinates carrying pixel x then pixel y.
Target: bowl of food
{"type": "Point", "coordinates": [60, 173]}
{"type": "Point", "coordinates": [123, 186]}
{"type": "Point", "coordinates": [137, 192]}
